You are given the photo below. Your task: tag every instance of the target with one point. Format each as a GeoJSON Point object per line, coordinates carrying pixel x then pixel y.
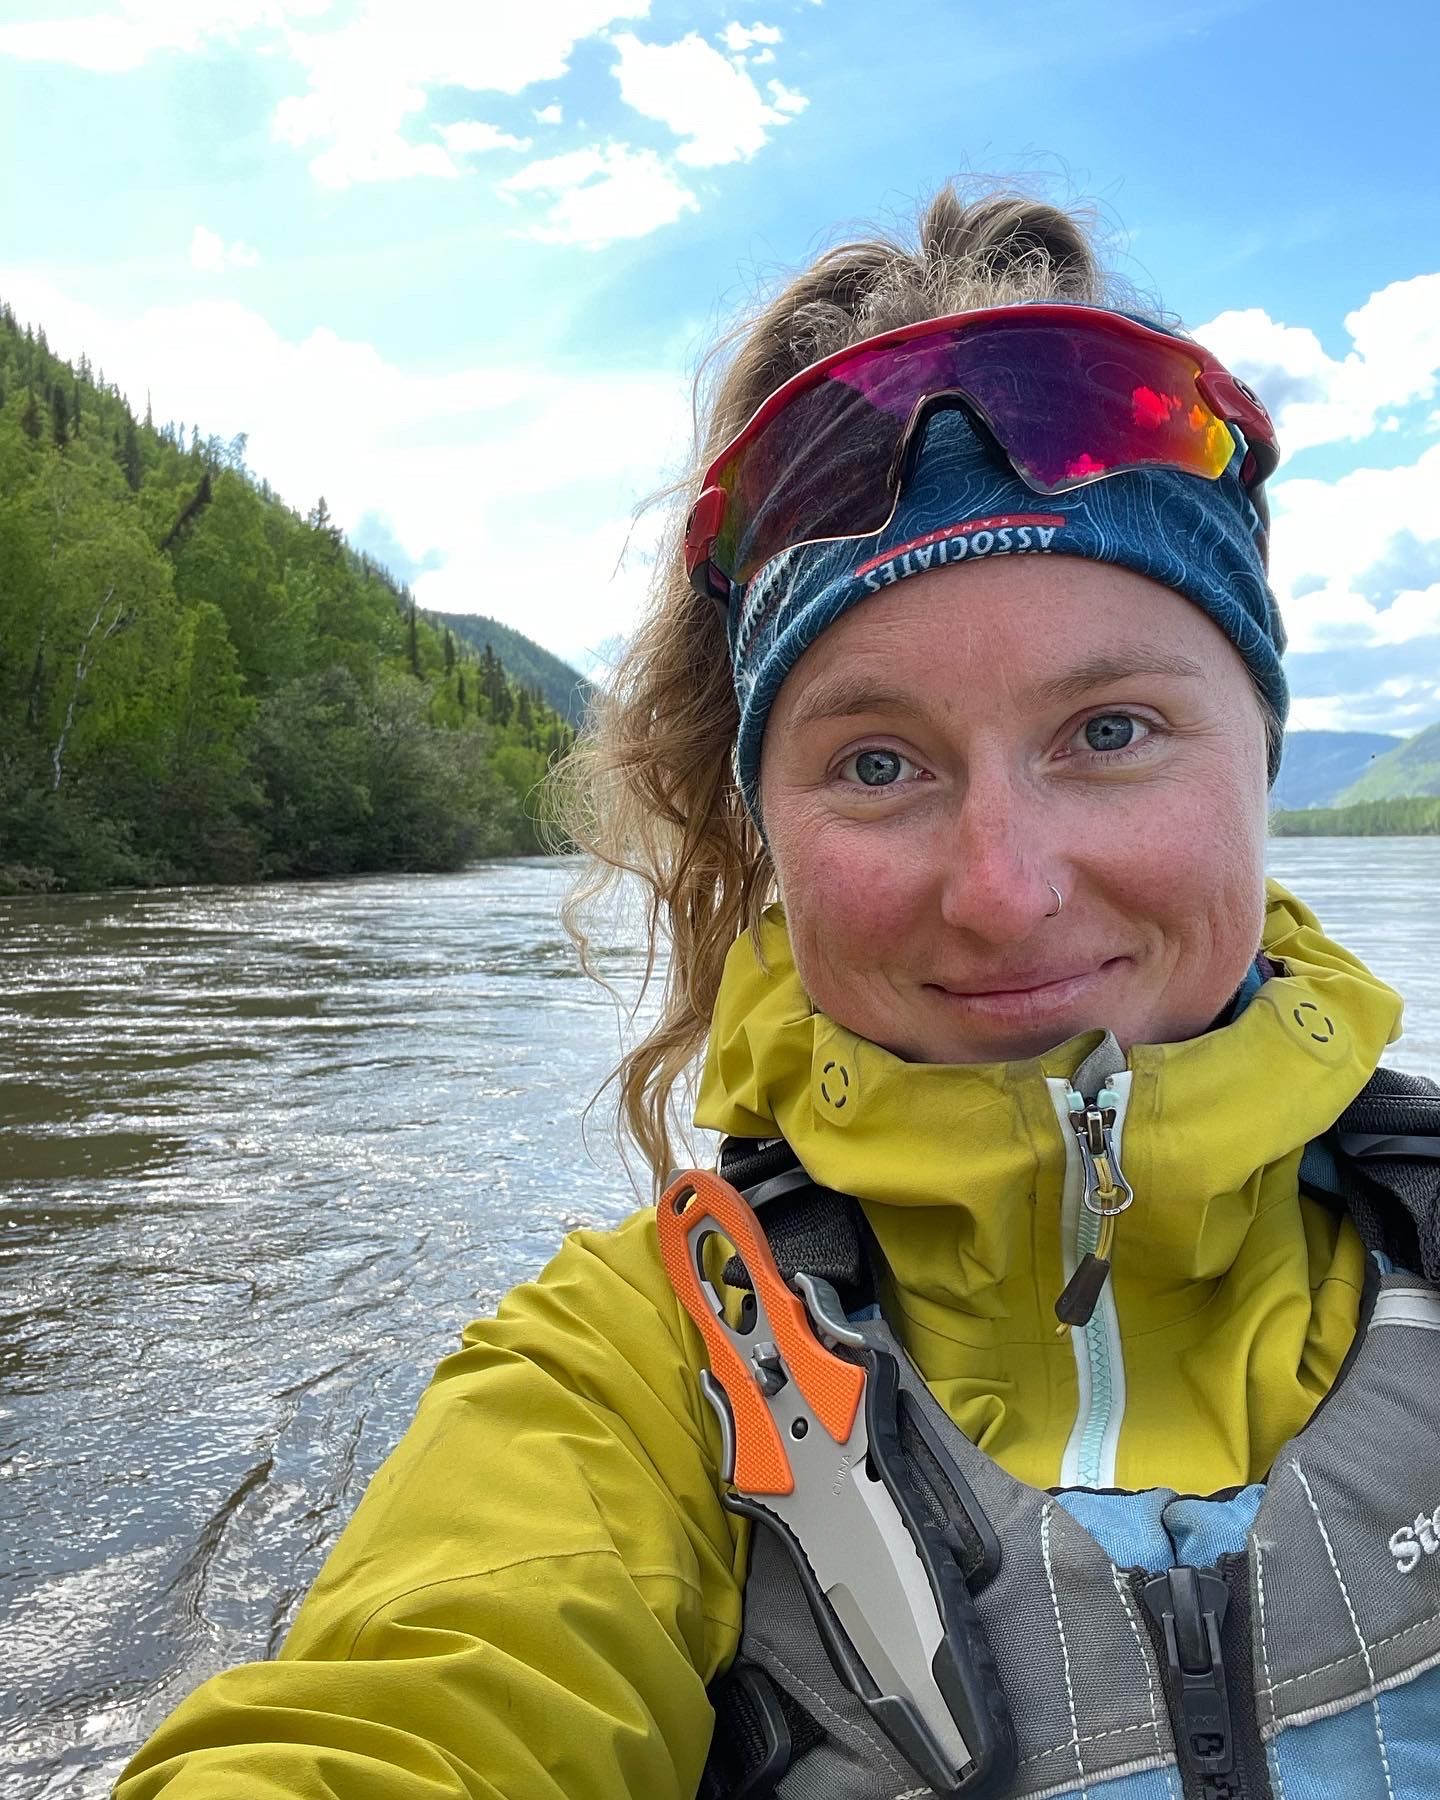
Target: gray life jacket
{"type": "Point", "coordinates": [1280, 1640]}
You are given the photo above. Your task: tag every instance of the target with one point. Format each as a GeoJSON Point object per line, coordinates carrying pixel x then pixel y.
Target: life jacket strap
{"type": "Point", "coordinates": [759, 1732]}
{"type": "Point", "coordinates": [809, 1227]}
{"type": "Point", "coordinates": [1380, 1162]}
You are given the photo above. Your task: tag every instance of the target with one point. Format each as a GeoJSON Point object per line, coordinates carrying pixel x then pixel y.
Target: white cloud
{"type": "Point", "coordinates": [786, 99]}
{"type": "Point", "coordinates": [211, 254]}
{"type": "Point", "coordinates": [368, 69]}
{"type": "Point", "coordinates": [1370, 709]}
{"type": "Point", "coordinates": [1336, 619]}
{"type": "Point", "coordinates": [128, 34]}
{"type": "Point", "coordinates": [473, 137]}
{"type": "Point", "coordinates": [595, 197]}
{"type": "Point", "coordinates": [737, 37]}
{"type": "Point", "coordinates": [1334, 531]}
{"type": "Point", "coordinates": [1318, 399]}
{"type": "Point", "coordinates": [498, 471]}
{"type": "Point", "coordinates": [366, 76]}
{"type": "Point", "coordinates": [703, 96]}
{"type": "Point", "coordinates": [361, 133]}
{"type": "Point", "coordinates": [1328, 535]}
{"type": "Point", "coordinates": [369, 76]}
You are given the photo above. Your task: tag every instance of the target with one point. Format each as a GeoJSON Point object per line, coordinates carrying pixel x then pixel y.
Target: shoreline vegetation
{"type": "Point", "coordinates": [199, 684]}
{"type": "Point", "coordinates": [1367, 818]}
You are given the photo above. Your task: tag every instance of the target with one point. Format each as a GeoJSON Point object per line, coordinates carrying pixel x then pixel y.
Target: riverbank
{"type": "Point", "coordinates": [1419, 817]}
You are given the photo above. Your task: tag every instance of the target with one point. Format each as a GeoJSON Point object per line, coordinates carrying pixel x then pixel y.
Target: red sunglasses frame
{"type": "Point", "coordinates": [1226, 395]}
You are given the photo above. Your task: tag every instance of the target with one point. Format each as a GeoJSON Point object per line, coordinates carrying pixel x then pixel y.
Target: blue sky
{"type": "Point", "coordinates": [452, 263]}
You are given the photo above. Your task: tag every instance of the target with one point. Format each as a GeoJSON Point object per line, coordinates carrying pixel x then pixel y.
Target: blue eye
{"type": "Point", "coordinates": [1108, 732]}
{"type": "Point", "coordinates": [876, 768]}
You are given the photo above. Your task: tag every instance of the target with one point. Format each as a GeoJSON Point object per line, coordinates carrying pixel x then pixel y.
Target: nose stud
{"type": "Point", "coordinates": [1054, 912]}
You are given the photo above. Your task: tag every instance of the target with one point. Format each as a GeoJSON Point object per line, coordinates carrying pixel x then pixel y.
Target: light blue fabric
{"type": "Point", "coordinates": [1127, 1527]}
{"type": "Point", "coordinates": [1388, 1749]}
{"type": "Point", "coordinates": [1158, 1530]}
{"type": "Point", "coordinates": [1410, 1719]}
{"type": "Point", "coordinates": [1203, 1531]}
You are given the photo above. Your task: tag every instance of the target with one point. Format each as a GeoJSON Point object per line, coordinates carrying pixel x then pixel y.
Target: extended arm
{"type": "Point", "coordinates": [533, 1593]}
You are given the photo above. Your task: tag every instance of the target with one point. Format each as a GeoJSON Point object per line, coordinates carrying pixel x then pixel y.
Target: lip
{"type": "Point", "coordinates": [1024, 994]}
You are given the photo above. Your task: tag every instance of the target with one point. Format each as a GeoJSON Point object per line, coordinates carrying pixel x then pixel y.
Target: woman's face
{"type": "Point", "coordinates": [950, 747]}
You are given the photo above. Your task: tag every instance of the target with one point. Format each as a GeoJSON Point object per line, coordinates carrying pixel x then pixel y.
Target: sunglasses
{"type": "Point", "coordinates": [1068, 394]}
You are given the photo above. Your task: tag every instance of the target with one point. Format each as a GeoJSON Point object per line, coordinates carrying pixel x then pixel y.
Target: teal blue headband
{"type": "Point", "coordinates": [964, 503]}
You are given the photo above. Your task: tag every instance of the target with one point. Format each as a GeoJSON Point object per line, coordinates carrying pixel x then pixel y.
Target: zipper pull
{"type": "Point", "coordinates": [1106, 1193]}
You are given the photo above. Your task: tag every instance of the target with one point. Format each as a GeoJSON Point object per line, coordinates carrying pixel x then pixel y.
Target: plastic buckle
{"type": "Point", "coordinates": [752, 1734]}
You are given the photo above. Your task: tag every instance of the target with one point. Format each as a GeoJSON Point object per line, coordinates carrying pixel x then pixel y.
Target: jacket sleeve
{"type": "Point", "coordinates": [534, 1591]}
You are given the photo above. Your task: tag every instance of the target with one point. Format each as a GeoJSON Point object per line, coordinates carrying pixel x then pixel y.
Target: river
{"type": "Point", "coordinates": [264, 1151]}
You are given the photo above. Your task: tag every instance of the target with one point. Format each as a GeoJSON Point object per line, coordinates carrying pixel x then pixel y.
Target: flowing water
{"type": "Point", "coordinates": [263, 1152]}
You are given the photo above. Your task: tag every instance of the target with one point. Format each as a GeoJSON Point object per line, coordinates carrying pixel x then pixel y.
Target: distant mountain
{"type": "Point", "coordinates": [1411, 769]}
{"type": "Point", "coordinates": [1319, 765]}
{"type": "Point", "coordinates": [561, 686]}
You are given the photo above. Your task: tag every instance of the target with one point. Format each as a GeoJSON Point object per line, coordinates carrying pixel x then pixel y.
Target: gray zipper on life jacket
{"type": "Point", "coordinates": [1199, 1623]}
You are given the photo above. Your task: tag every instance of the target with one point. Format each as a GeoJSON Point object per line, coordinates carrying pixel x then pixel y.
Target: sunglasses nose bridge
{"type": "Point", "coordinates": [922, 414]}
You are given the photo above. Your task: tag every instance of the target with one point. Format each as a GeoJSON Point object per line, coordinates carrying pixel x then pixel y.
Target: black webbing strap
{"type": "Point", "coordinates": [1386, 1146]}
{"type": "Point", "coordinates": [759, 1732]}
{"type": "Point", "coordinates": [807, 1226]}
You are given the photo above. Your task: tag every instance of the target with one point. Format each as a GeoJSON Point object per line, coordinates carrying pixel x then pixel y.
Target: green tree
{"type": "Point", "coordinates": [130, 456]}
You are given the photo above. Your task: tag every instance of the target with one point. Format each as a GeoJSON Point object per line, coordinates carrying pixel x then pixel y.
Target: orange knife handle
{"type": "Point", "coordinates": [831, 1388]}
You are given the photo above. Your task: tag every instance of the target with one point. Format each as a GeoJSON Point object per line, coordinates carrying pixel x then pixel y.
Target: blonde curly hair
{"type": "Point", "coordinates": [649, 790]}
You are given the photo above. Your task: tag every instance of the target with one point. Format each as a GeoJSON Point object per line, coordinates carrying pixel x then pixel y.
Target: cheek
{"type": "Point", "coordinates": [849, 899]}
{"type": "Point", "coordinates": [1195, 868]}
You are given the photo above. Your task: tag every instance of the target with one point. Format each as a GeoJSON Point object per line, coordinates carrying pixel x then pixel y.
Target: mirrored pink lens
{"type": "Point", "coordinates": [1067, 403]}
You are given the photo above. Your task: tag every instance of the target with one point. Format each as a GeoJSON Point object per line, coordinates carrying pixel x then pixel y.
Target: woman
{"type": "Point", "coordinates": [966, 654]}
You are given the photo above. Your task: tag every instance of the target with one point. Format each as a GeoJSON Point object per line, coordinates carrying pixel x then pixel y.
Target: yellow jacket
{"type": "Point", "coordinates": [541, 1581]}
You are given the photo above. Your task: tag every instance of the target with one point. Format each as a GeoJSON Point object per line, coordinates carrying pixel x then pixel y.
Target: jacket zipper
{"type": "Point", "coordinates": [1086, 1308]}
{"type": "Point", "coordinates": [1105, 1194]}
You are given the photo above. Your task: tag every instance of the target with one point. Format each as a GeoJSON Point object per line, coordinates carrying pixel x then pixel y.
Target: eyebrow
{"type": "Point", "coordinates": [1107, 667]}
{"type": "Point", "coordinates": [844, 696]}
{"type": "Point", "coordinates": [850, 695]}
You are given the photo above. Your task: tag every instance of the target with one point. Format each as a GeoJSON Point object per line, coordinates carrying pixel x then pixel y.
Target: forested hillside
{"type": "Point", "coordinates": [1317, 765]}
{"type": "Point", "coordinates": [1411, 768]}
{"type": "Point", "coordinates": [199, 684]}
{"type": "Point", "coordinates": [555, 681]}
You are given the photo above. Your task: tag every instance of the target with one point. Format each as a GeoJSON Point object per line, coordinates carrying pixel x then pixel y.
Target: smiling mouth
{"type": "Point", "coordinates": [1052, 991]}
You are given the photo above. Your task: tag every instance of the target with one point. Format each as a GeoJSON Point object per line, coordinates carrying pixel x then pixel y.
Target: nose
{"type": "Point", "coordinates": [999, 857]}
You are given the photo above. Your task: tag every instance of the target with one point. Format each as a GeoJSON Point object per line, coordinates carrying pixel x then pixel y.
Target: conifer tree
{"type": "Point", "coordinates": [130, 456]}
